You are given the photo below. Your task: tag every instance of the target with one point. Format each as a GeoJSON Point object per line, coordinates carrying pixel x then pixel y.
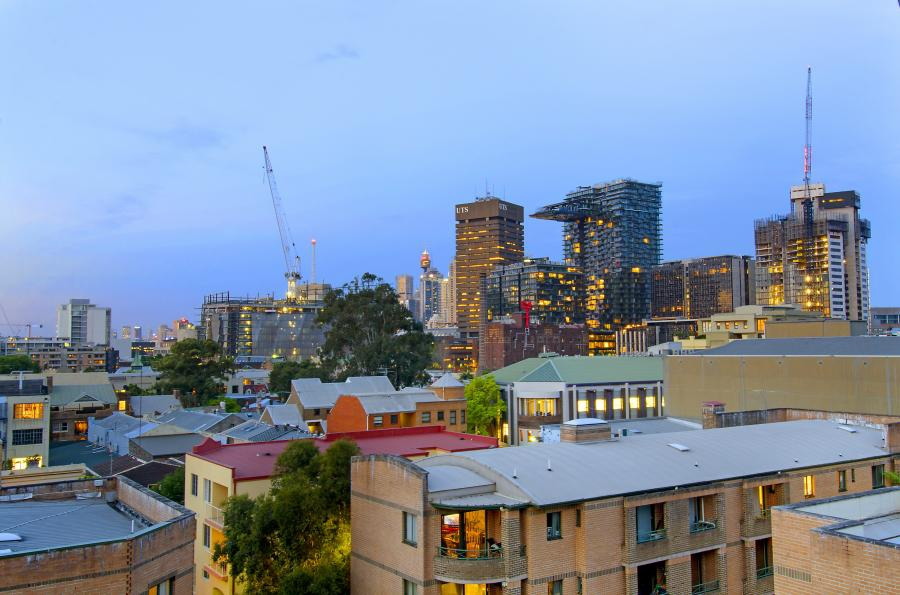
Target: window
{"type": "Point", "coordinates": [554, 525]}
{"type": "Point", "coordinates": [34, 436]}
{"type": "Point", "coordinates": [452, 417]}
{"type": "Point", "coordinates": [377, 421]}
{"type": "Point", "coordinates": [440, 416]}
{"type": "Point", "coordinates": [554, 588]}
{"type": "Point", "coordinates": [650, 522]}
{"type": "Point", "coordinates": [207, 490]}
{"type": "Point", "coordinates": [123, 404]}
{"type": "Point", "coordinates": [462, 416]}
{"type": "Point", "coordinates": [394, 419]}
{"type": "Point", "coordinates": [206, 536]}
{"type": "Point", "coordinates": [194, 481]}
{"type": "Point", "coordinates": [842, 481]}
{"type": "Point", "coordinates": [28, 411]}
{"type": "Point", "coordinates": [702, 513]}
{"type": "Point", "coordinates": [853, 476]}
{"type": "Point", "coordinates": [877, 476]}
{"type": "Point", "coordinates": [618, 403]}
{"type": "Point", "coordinates": [809, 486]}
{"type": "Point", "coordinates": [62, 426]}
{"type": "Point", "coordinates": [409, 528]}
{"type": "Point", "coordinates": [409, 588]}
{"type": "Point", "coordinates": [577, 517]}
{"type": "Point", "coordinates": [426, 417]}
{"type": "Point", "coordinates": [763, 557]}
{"type": "Point", "coordinates": [163, 588]}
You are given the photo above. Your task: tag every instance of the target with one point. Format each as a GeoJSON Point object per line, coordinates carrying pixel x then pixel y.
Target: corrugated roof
{"type": "Point", "coordinates": [194, 421]}
{"type": "Point", "coordinates": [69, 393]}
{"type": "Point", "coordinates": [582, 370]}
{"type": "Point", "coordinates": [284, 415]}
{"type": "Point", "coordinates": [403, 401]}
{"type": "Point", "coordinates": [169, 445]}
{"type": "Point", "coordinates": [589, 471]}
{"type": "Point", "coordinates": [315, 394]}
{"type": "Point", "coordinates": [153, 404]}
{"type": "Point", "coordinates": [448, 380]}
{"type": "Point", "coordinates": [811, 346]}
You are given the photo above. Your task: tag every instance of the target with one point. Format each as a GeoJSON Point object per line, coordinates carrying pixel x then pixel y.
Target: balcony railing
{"type": "Point", "coordinates": [700, 526]}
{"type": "Point", "coordinates": [218, 569]}
{"type": "Point", "coordinates": [651, 536]}
{"type": "Point", "coordinates": [763, 513]}
{"type": "Point", "coordinates": [488, 553]}
{"type": "Point", "coordinates": [215, 515]}
{"type": "Point", "coordinates": [705, 588]}
{"type": "Point", "coordinates": [765, 571]}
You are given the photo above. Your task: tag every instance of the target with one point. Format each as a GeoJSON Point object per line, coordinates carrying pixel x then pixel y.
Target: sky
{"type": "Point", "coordinates": [131, 167]}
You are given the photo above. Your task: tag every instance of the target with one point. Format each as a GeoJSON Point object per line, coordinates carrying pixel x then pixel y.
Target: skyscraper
{"type": "Point", "coordinates": [82, 322]}
{"type": "Point", "coordinates": [552, 289]}
{"type": "Point", "coordinates": [489, 232]}
{"type": "Point", "coordinates": [405, 292]}
{"type": "Point", "coordinates": [701, 287]}
{"type": "Point", "coordinates": [815, 258]}
{"type": "Point", "coordinates": [612, 232]}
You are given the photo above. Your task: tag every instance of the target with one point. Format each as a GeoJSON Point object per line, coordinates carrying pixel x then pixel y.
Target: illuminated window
{"type": "Point", "coordinates": [650, 402]}
{"type": "Point", "coordinates": [600, 404]}
{"type": "Point", "coordinates": [27, 462]}
{"type": "Point", "coordinates": [634, 402]}
{"type": "Point", "coordinates": [582, 406]}
{"type": "Point", "coordinates": [122, 404]}
{"type": "Point", "coordinates": [28, 411]}
{"type": "Point", "coordinates": [809, 486]}
{"type": "Point", "coordinates": [618, 403]}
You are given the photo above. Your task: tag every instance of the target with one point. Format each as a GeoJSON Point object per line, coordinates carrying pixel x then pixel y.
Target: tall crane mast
{"type": "Point", "coordinates": [291, 259]}
{"type": "Point", "coordinates": [807, 153]}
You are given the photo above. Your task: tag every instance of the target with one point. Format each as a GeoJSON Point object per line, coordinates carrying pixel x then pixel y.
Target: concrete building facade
{"type": "Point", "coordinates": [24, 423]}
{"type": "Point", "coordinates": [81, 322]}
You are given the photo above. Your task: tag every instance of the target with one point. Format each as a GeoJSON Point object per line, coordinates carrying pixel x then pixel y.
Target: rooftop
{"type": "Point", "coordinates": [63, 394]}
{"type": "Point", "coordinates": [315, 394]}
{"type": "Point", "coordinates": [400, 401]}
{"type": "Point", "coordinates": [169, 445]}
{"type": "Point", "coordinates": [193, 421]}
{"type": "Point", "coordinates": [448, 380]}
{"type": "Point", "coordinates": [256, 431]}
{"type": "Point", "coordinates": [153, 404]}
{"type": "Point", "coordinates": [579, 369]}
{"type": "Point", "coordinates": [255, 460]}
{"type": "Point", "coordinates": [284, 415]}
{"type": "Point", "coordinates": [872, 516]}
{"type": "Point", "coordinates": [587, 471]}
{"type": "Point", "coordinates": [811, 346]}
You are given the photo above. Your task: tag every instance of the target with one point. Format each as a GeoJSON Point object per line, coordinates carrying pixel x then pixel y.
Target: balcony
{"type": "Point", "coordinates": [705, 588]}
{"type": "Point", "coordinates": [764, 572]}
{"type": "Point", "coordinates": [536, 421]}
{"type": "Point", "coordinates": [651, 536]}
{"type": "Point", "coordinates": [220, 571]}
{"type": "Point", "coordinates": [763, 514]}
{"type": "Point", "coordinates": [704, 525]}
{"type": "Point", "coordinates": [215, 517]}
{"type": "Point", "coordinates": [470, 566]}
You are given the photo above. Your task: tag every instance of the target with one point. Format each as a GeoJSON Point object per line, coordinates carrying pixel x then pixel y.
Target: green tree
{"type": "Point", "coordinates": [370, 332]}
{"type": "Point", "coordinates": [172, 486]}
{"type": "Point", "coordinates": [133, 390]}
{"type": "Point", "coordinates": [296, 538]}
{"type": "Point", "coordinates": [196, 368]}
{"type": "Point", "coordinates": [17, 363]}
{"type": "Point", "coordinates": [231, 405]}
{"type": "Point", "coordinates": [283, 372]}
{"type": "Point", "coordinates": [484, 405]}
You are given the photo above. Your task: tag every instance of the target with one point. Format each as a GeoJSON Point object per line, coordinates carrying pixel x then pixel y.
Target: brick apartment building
{"type": "Point", "coordinates": [408, 408]}
{"type": "Point", "coordinates": [506, 341]}
{"type": "Point", "coordinates": [126, 539]}
{"type": "Point", "coordinates": [215, 472]}
{"type": "Point", "coordinates": [690, 511]}
{"type": "Point", "coordinates": [846, 544]}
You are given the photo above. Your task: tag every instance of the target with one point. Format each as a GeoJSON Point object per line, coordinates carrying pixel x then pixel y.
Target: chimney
{"type": "Point", "coordinates": [709, 414]}
{"type": "Point", "coordinates": [585, 430]}
{"type": "Point", "coordinates": [892, 437]}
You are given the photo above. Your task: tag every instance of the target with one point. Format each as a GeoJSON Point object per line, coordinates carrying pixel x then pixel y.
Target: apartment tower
{"type": "Point", "coordinates": [82, 322]}
{"type": "Point", "coordinates": [701, 287]}
{"type": "Point", "coordinates": [489, 232]}
{"type": "Point", "coordinates": [613, 233]}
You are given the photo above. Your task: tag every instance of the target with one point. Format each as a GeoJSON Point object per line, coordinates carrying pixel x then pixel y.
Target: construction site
{"type": "Point", "coordinates": [263, 325]}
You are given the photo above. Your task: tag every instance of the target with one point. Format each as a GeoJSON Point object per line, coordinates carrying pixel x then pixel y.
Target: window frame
{"type": "Point", "coordinates": [809, 486]}
{"type": "Point", "coordinates": [426, 417]}
{"type": "Point", "coordinates": [410, 527]}
{"type": "Point", "coordinates": [26, 411]}
{"type": "Point", "coordinates": [195, 484]}
{"type": "Point", "coordinates": [440, 415]}
{"type": "Point", "coordinates": [27, 436]}
{"type": "Point", "coordinates": [395, 419]}
{"type": "Point", "coordinates": [207, 490]}
{"type": "Point", "coordinates": [554, 525]}
{"type": "Point", "coordinates": [842, 480]}
{"type": "Point", "coordinates": [377, 421]}
{"type": "Point", "coordinates": [410, 588]}
{"type": "Point", "coordinates": [452, 417]}
{"type": "Point", "coordinates": [207, 536]}
{"type": "Point", "coordinates": [878, 471]}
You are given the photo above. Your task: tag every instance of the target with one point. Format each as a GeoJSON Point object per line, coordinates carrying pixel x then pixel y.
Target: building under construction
{"type": "Point", "coordinates": [815, 259]}
{"type": "Point", "coordinates": [264, 325]}
{"type": "Point", "coordinates": [612, 232]}
{"type": "Point", "coordinates": [701, 287]}
{"type": "Point", "coordinates": [551, 291]}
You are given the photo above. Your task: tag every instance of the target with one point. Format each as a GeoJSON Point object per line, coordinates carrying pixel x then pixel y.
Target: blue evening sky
{"type": "Point", "coordinates": [131, 133]}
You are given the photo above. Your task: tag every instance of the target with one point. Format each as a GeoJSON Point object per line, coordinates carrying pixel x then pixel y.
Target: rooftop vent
{"type": "Point", "coordinates": [679, 447]}
{"type": "Point", "coordinates": [10, 537]}
{"type": "Point", "coordinates": [847, 429]}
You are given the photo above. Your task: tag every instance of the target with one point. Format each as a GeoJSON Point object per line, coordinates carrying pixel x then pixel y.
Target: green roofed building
{"type": "Point", "coordinates": [554, 389]}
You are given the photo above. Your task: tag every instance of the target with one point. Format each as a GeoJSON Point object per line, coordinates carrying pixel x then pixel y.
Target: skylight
{"type": "Point", "coordinates": [679, 447]}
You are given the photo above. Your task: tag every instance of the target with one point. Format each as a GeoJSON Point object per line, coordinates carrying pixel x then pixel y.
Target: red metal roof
{"type": "Point", "coordinates": [256, 460]}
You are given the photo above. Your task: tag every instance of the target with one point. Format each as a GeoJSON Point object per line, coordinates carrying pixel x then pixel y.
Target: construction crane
{"type": "Point", "coordinates": [291, 259]}
{"type": "Point", "coordinates": [807, 155]}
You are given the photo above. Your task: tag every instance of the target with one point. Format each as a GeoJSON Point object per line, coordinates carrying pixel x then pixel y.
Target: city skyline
{"type": "Point", "coordinates": [144, 199]}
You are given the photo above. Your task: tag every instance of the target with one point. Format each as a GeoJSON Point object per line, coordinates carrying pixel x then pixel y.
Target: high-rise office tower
{"type": "Point", "coordinates": [125, 333]}
{"type": "Point", "coordinates": [429, 295]}
{"type": "Point", "coordinates": [138, 333]}
{"type": "Point", "coordinates": [82, 322]}
{"type": "Point", "coordinates": [701, 287]}
{"type": "Point", "coordinates": [612, 232]}
{"type": "Point", "coordinates": [815, 258]}
{"type": "Point", "coordinates": [489, 232]}
{"type": "Point", "coordinates": [551, 288]}
{"type": "Point", "coordinates": [404, 287]}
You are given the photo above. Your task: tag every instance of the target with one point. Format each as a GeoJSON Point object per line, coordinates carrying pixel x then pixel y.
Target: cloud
{"type": "Point", "coordinates": [339, 52]}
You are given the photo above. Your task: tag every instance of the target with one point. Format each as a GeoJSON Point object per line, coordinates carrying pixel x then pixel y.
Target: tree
{"type": "Point", "coordinates": [296, 538]}
{"type": "Point", "coordinates": [172, 486]}
{"type": "Point", "coordinates": [370, 332]}
{"type": "Point", "coordinates": [283, 372]}
{"type": "Point", "coordinates": [231, 405]}
{"type": "Point", "coordinates": [196, 368]}
{"type": "Point", "coordinates": [17, 363]}
{"type": "Point", "coordinates": [484, 405]}
{"type": "Point", "coordinates": [133, 390]}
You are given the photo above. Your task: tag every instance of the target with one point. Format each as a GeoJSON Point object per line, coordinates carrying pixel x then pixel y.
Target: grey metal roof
{"type": "Point", "coordinates": [69, 393]}
{"type": "Point", "coordinates": [489, 500]}
{"type": "Point", "coordinates": [647, 463]}
{"type": "Point", "coordinates": [153, 404]}
{"type": "Point", "coordinates": [194, 421]}
{"type": "Point", "coordinates": [448, 380]}
{"type": "Point", "coordinates": [119, 422]}
{"type": "Point", "coordinates": [821, 346]}
{"type": "Point", "coordinates": [315, 394]}
{"type": "Point", "coordinates": [284, 415]}
{"type": "Point", "coordinates": [172, 444]}
{"type": "Point", "coordinates": [455, 478]}
{"type": "Point", "coordinates": [52, 524]}
{"type": "Point", "coordinates": [257, 431]}
{"type": "Point", "coordinates": [402, 401]}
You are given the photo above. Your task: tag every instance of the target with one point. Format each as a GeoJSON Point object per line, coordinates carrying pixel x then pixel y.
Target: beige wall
{"type": "Point", "coordinates": [27, 450]}
{"type": "Point", "coordinates": [827, 383]}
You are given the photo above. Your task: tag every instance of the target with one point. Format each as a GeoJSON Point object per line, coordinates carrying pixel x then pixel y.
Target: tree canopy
{"type": "Point", "coordinates": [484, 405]}
{"type": "Point", "coordinates": [196, 368]}
{"type": "Point", "coordinates": [371, 333]}
{"type": "Point", "coordinates": [283, 372]}
{"type": "Point", "coordinates": [17, 363]}
{"type": "Point", "coordinates": [296, 538]}
{"type": "Point", "coordinates": [172, 486]}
